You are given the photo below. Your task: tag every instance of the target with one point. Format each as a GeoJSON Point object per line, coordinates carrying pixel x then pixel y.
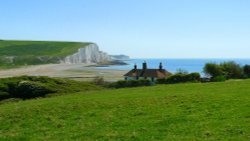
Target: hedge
{"type": "Point", "coordinates": [180, 78]}
{"type": "Point", "coordinates": [130, 83]}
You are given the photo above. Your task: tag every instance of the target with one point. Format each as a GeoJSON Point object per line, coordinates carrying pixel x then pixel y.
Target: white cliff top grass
{"type": "Point", "coordinates": [15, 53]}
{"type": "Point", "coordinates": [39, 48]}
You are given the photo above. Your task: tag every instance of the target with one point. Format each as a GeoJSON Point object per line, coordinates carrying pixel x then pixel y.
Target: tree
{"type": "Point", "coordinates": [232, 70]}
{"type": "Point", "coordinates": [246, 70]}
{"type": "Point", "coordinates": [212, 70]}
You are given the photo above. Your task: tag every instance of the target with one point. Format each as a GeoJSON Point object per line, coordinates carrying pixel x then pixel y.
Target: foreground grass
{"type": "Point", "coordinates": [212, 111]}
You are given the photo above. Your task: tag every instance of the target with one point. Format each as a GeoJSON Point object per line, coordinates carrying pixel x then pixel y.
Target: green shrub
{"type": "Point", "coordinates": [212, 70]}
{"type": "Point", "coordinates": [28, 89]}
{"type": "Point", "coordinates": [12, 87]}
{"type": "Point", "coordinates": [232, 70]}
{"type": "Point", "coordinates": [194, 77]}
{"type": "Point", "coordinates": [219, 79]}
{"type": "Point", "coordinates": [32, 86]}
{"type": "Point", "coordinates": [130, 83]}
{"type": "Point", "coordinates": [227, 69]}
{"type": "Point", "coordinates": [180, 78]}
{"type": "Point", "coordinates": [177, 78]}
{"type": "Point", "coordinates": [246, 70]}
{"type": "Point", "coordinates": [161, 81]}
{"type": "Point", "coordinates": [4, 95]}
{"type": "Point", "coordinates": [3, 87]}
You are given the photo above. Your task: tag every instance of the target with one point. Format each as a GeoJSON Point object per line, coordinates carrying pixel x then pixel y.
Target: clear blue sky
{"type": "Point", "coordinates": [139, 28]}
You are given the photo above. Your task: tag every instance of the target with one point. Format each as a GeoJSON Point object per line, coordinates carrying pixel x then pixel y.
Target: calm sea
{"type": "Point", "coordinates": [190, 65]}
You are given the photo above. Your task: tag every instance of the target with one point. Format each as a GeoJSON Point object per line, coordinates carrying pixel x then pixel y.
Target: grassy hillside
{"type": "Point", "coordinates": [26, 87]}
{"type": "Point", "coordinates": [189, 112]}
{"type": "Point", "coordinates": [35, 52]}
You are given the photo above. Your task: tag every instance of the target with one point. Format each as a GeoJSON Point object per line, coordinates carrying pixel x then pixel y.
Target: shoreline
{"type": "Point", "coordinates": [80, 72]}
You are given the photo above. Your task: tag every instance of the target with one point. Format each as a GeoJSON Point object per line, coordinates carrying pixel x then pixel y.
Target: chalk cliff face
{"type": "Point", "coordinates": [88, 54]}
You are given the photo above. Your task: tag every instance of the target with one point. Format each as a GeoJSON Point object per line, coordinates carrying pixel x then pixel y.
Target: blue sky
{"type": "Point", "coordinates": [139, 28]}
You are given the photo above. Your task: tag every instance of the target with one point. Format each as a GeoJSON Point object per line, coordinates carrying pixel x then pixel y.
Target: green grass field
{"type": "Point", "coordinates": [188, 112]}
{"type": "Point", "coordinates": [28, 52]}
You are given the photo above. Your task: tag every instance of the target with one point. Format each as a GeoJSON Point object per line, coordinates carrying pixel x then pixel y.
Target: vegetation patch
{"type": "Point", "coordinates": [26, 87]}
{"type": "Point", "coordinates": [130, 83]}
{"type": "Point", "coordinates": [226, 70]}
{"type": "Point", "coordinates": [180, 78]}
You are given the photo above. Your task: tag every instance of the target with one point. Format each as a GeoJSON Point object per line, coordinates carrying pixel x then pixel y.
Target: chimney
{"type": "Point", "coordinates": [160, 66]}
{"type": "Point", "coordinates": [135, 67]}
{"type": "Point", "coordinates": [144, 65]}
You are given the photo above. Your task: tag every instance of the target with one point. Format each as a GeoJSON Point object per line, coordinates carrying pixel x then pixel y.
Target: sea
{"type": "Point", "coordinates": [172, 65]}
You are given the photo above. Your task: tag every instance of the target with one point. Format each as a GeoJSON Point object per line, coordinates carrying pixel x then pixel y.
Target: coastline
{"type": "Point", "coordinates": [80, 72]}
{"type": "Point", "coordinates": [111, 71]}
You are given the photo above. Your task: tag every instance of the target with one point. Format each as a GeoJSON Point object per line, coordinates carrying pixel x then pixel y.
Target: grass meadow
{"type": "Point", "coordinates": [188, 112]}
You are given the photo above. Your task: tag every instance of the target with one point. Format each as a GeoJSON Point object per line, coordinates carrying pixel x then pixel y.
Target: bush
{"type": "Point", "coordinates": [227, 69]}
{"type": "Point", "coordinates": [28, 89]}
{"type": "Point", "coordinates": [3, 87]}
{"type": "Point", "coordinates": [246, 71]}
{"type": "Point", "coordinates": [177, 78]}
{"type": "Point", "coordinates": [161, 81]}
{"type": "Point", "coordinates": [4, 95]}
{"type": "Point", "coordinates": [231, 70]}
{"type": "Point", "coordinates": [194, 77]}
{"type": "Point", "coordinates": [130, 83]}
{"type": "Point", "coordinates": [219, 79]}
{"type": "Point", "coordinates": [212, 70]}
{"type": "Point", "coordinates": [180, 78]}
{"type": "Point", "coordinates": [27, 86]}
{"type": "Point", "coordinates": [32, 86]}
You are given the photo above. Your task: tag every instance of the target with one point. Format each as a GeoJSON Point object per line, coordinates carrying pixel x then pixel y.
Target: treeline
{"type": "Point", "coordinates": [226, 70]}
{"type": "Point", "coordinates": [180, 78]}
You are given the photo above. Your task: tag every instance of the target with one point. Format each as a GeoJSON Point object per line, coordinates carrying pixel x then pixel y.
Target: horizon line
{"type": "Point", "coordinates": [185, 58]}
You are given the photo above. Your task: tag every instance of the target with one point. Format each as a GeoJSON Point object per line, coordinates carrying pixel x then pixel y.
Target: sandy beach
{"type": "Point", "coordinates": [79, 72]}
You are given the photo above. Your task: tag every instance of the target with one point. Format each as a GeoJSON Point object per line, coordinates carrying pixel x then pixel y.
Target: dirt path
{"type": "Point", "coordinates": [73, 71]}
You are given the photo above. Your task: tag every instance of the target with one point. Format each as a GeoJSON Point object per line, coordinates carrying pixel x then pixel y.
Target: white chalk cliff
{"type": "Point", "coordinates": [88, 54]}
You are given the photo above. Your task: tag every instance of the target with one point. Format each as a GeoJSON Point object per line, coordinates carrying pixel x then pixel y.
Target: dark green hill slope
{"type": "Point", "coordinates": [18, 53]}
